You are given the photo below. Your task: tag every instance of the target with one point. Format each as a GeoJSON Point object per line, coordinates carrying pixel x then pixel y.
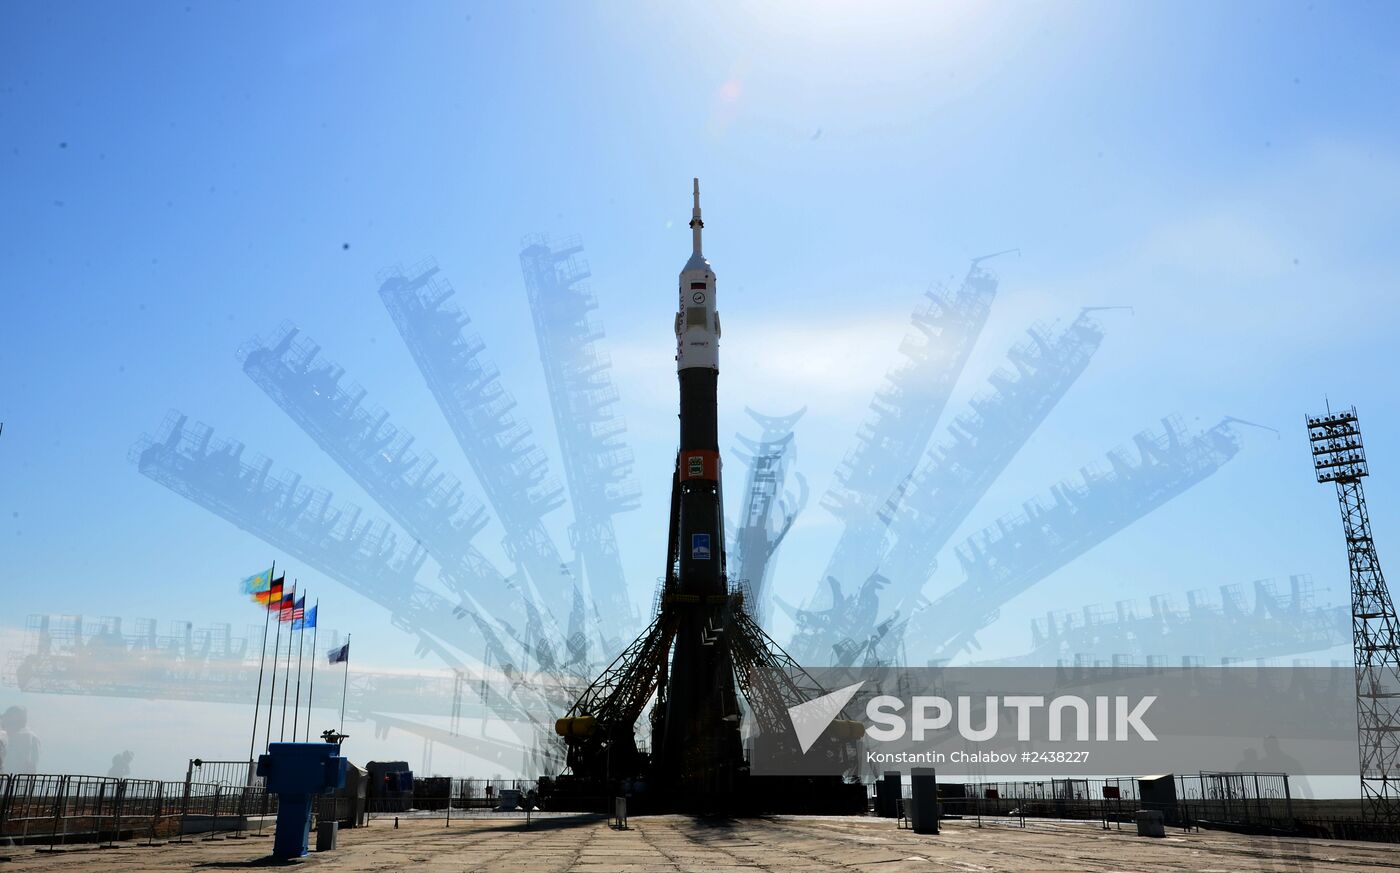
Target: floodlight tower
{"type": "Point", "coordinates": [1339, 457]}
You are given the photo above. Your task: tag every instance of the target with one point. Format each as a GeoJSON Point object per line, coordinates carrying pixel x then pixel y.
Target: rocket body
{"type": "Point", "coordinates": [696, 738]}
{"type": "Point", "coordinates": [698, 473]}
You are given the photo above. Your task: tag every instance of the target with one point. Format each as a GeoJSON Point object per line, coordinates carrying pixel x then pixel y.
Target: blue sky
{"type": "Point", "coordinates": [179, 177]}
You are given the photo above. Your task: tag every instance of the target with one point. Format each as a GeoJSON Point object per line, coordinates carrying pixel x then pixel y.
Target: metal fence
{"type": "Point", "coordinates": [222, 798]}
{"type": "Point", "coordinates": [1259, 801]}
{"type": "Point", "coordinates": [1246, 802]}
{"type": "Point", "coordinates": [50, 809]}
{"type": "Point", "coordinates": [444, 794]}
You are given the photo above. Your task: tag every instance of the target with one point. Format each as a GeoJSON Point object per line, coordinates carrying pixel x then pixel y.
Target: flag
{"type": "Point", "coordinates": [259, 582]}
{"type": "Point", "coordinates": [299, 609]}
{"type": "Point", "coordinates": [339, 654]}
{"type": "Point", "coordinates": [307, 621]}
{"type": "Point", "coordinates": [286, 607]}
{"type": "Point", "coordinates": [272, 597]}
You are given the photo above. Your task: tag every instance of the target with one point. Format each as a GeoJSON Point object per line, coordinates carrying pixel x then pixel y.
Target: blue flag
{"type": "Point", "coordinates": [307, 622]}
{"type": "Point", "coordinates": [339, 654]}
{"type": "Point", "coordinates": [258, 582]}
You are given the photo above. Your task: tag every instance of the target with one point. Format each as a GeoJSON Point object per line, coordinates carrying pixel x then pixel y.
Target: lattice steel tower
{"type": "Point", "coordinates": [1339, 457]}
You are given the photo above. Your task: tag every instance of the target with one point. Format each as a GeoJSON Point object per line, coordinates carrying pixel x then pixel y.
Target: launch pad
{"type": "Point", "coordinates": [703, 650]}
{"type": "Point", "coordinates": [553, 844]}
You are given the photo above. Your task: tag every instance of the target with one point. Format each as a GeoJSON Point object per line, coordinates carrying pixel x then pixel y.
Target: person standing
{"type": "Point", "coordinates": [21, 746]}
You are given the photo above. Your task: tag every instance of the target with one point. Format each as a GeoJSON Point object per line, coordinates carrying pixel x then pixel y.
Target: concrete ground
{"type": "Point", "coordinates": [796, 843]}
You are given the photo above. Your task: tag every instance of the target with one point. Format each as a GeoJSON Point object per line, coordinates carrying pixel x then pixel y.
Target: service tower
{"type": "Point", "coordinates": [696, 723]}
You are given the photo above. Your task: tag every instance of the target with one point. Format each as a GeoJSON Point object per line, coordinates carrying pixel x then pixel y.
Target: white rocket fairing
{"type": "Point", "coordinates": [697, 320]}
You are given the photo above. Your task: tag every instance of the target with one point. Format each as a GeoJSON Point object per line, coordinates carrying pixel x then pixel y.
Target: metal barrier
{"type": "Point", "coordinates": [1242, 800]}
{"type": "Point", "coordinates": [1245, 802]}
{"type": "Point", "coordinates": [222, 792]}
{"type": "Point", "coordinates": [39, 809]}
{"type": "Point", "coordinates": [444, 794]}
{"type": "Point", "coordinates": [233, 773]}
{"type": "Point", "coordinates": [1258, 799]}
{"type": "Point", "coordinates": [50, 809]}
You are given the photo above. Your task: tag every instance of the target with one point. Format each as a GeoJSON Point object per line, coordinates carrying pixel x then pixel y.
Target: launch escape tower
{"type": "Point", "coordinates": [702, 649]}
{"type": "Point", "coordinates": [1339, 457]}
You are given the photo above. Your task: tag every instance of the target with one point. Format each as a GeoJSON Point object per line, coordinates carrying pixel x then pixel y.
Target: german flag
{"type": "Point", "coordinates": [272, 597]}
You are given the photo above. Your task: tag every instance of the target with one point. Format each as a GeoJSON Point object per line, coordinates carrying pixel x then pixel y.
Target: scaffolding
{"type": "Point", "coordinates": [499, 446]}
{"type": "Point", "coordinates": [1013, 554]}
{"type": "Point", "coordinates": [597, 461]}
{"type": "Point", "coordinates": [902, 418]}
{"type": "Point", "coordinates": [77, 655]}
{"type": "Point", "coordinates": [362, 554]}
{"type": "Point", "coordinates": [1230, 625]}
{"type": "Point", "coordinates": [929, 505]}
{"type": "Point", "coordinates": [427, 502]}
{"type": "Point", "coordinates": [980, 443]}
{"type": "Point", "coordinates": [769, 510]}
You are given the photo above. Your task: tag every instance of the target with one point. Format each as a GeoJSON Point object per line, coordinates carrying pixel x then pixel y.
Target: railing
{"type": "Point", "coordinates": [53, 809]}
{"type": "Point", "coordinates": [1245, 802]}
{"type": "Point", "coordinates": [442, 794]}
{"type": "Point", "coordinates": [440, 798]}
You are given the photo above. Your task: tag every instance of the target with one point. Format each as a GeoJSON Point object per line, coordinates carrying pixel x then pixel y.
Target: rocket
{"type": "Point", "coordinates": [703, 646]}
{"type": "Point", "coordinates": [696, 738]}
{"type": "Point", "coordinates": [701, 544]}
{"type": "Point", "coordinates": [697, 753]}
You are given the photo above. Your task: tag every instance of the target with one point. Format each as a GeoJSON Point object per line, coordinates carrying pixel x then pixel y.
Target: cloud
{"type": "Point", "coordinates": [829, 365]}
{"type": "Point", "coordinates": [1230, 242]}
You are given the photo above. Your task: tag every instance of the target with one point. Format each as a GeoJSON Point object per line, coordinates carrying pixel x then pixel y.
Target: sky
{"type": "Point", "coordinates": [181, 177]}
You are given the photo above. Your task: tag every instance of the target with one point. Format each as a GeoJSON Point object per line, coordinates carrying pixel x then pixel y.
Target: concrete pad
{"type": "Point", "coordinates": [677, 844]}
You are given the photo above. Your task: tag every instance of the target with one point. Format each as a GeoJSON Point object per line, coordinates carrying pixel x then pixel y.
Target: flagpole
{"type": "Point", "coordinates": [301, 647]}
{"type": "Point", "coordinates": [262, 659]}
{"type": "Point", "coordinates": [287, 675]}
{"type": "Point", "coordinates": [276, 651]}
{"type": "Point", "coordinates": [345, 686]}
{"type": "Point", "coordinates": [311, 692]}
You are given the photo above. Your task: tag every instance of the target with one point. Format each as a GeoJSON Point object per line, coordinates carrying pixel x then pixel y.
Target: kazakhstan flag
{"type": "Point", "coordinates": [261, 582]}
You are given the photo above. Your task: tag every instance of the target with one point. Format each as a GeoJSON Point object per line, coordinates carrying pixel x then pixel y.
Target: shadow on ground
{"type": "Point", "coordinates": [551, 823]}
